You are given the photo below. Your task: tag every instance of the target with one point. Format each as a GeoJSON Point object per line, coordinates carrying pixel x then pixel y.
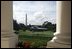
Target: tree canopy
{"type": "Point", "coordinates": [21, 26]}
{"type": "Point", "coordinates": [49, 26]}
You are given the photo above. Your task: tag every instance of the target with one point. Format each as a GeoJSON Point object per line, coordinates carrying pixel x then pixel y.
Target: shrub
{"type": "Point", "coordinates": [20, 44]}
{"type": "Point", "coordinates": [26, 44]}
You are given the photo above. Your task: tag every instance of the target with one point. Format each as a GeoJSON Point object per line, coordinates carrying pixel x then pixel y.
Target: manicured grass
{"type": "Point", "coordinates": [48, 33]}
{"type": "Point", "coordinates": [37, 39]}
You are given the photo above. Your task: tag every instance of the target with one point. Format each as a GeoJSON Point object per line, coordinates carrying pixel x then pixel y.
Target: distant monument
{"type": "Point", "coordinates": [26, 19]}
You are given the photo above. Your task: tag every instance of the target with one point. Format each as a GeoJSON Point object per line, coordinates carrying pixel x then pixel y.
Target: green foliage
{"type": "Point", "coordinates": [22, 27]}
{"type": "Point", "coordinates": [19, 26]}
{"type": "Point", "coordinates": [15, 25]}
{"type": "Point", "coordinates": [20, 44]}
{"type": "Point", "coordinates": [37, 40]}
{"type": "Point", "coordinates": [49, 26]}
{"type": "Point", "coordinates": [16, 32]}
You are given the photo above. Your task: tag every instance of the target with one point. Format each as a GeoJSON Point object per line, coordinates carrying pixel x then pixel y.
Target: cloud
{"type": "Point", "coordinates": [37, 11]}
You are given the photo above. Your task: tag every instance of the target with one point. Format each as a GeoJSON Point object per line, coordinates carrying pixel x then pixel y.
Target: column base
{"type": "Point", "coordinates": [53, 44]}
{"type": "Point", "coordinates": [9, 41]}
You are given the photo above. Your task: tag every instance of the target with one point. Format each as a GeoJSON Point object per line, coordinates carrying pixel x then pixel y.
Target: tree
{"type": "Point", "coordinates": [28, 27]}
{"type": "Point", "coordinates": [22, 27]}
{"type": "Point", "coordinates": [45, 23]}
{"type": "Point", "coordinates": [49, 26]}
{"type": "Point", "coordinates": [54, 27]}
{"type": "Point", "coordinates": [15, 25]}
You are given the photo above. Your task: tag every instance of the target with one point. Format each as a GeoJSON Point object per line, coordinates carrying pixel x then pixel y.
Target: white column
{"type": "Point", "coordinates": [62, 37]}
{"type": "Point", "coordinates": [8, 38]}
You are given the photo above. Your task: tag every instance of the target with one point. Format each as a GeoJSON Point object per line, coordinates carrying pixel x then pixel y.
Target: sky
{"type": "Point", "coordinates": [37, 11]}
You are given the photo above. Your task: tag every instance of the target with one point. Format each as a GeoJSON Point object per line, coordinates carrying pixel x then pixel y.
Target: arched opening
{"type": "Point", "coordinates": [36, 21]}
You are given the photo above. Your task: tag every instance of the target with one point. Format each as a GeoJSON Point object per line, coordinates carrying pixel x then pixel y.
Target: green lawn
{"type": "Point", "coordinates": [46, 33]}
{"type": "Point", "coordinates": [37, 39]}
